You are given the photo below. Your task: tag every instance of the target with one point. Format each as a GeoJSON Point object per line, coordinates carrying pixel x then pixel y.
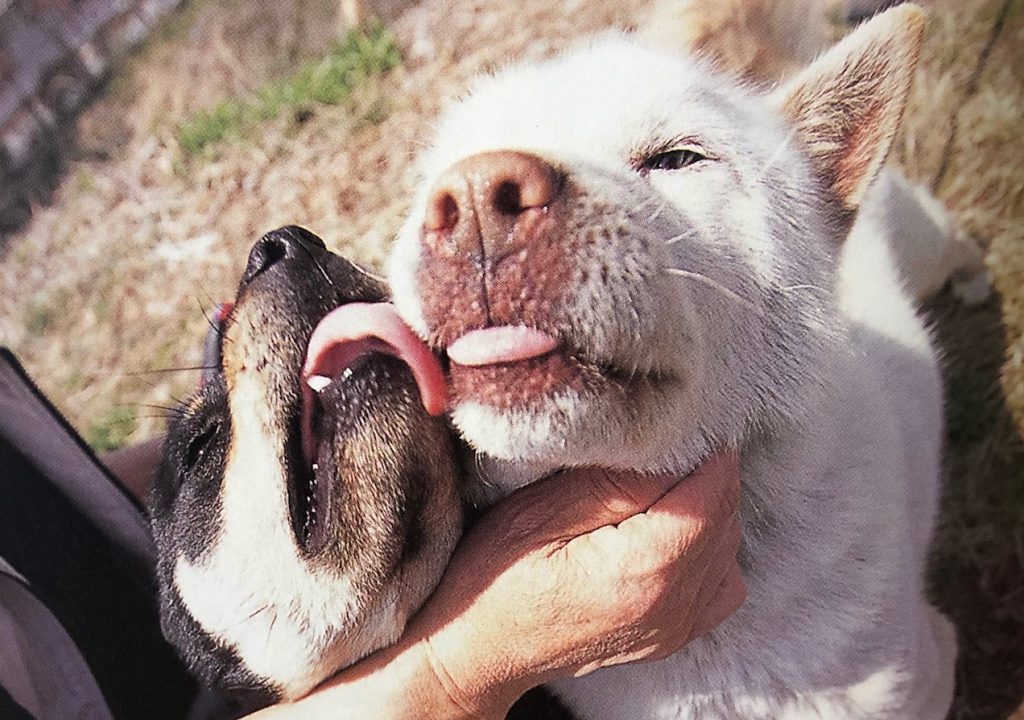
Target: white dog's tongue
{"type": "Point", "coordinates": [358, 328]}
{"type": "Point", "coordinates": [505, 344]}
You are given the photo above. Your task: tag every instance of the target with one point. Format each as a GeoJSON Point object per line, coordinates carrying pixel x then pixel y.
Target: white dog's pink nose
{"type": "Point", "coordinates": [488, 203]}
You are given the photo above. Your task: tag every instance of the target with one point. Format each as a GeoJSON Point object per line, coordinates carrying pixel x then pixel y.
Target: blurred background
{"type": "Point", "coordinates": [145, 144]}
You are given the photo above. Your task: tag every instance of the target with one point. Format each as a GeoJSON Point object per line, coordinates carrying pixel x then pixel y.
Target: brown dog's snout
{"type": "Point", "coordinates": [284, 243]}
{"type": "Point", "coordinates": [489, 203]}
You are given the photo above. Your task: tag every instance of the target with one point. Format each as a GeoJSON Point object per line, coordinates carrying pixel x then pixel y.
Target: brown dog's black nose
{"type": "Point", "coordinates": [482, 203]}
{"type": "Point", "coordinates": [284, 243]}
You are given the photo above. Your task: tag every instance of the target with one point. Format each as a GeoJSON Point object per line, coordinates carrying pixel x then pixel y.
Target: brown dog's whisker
{"type": "Point", "coordinates": [258, 611]}
{"type": "Point", "coordinates": [159, 416]}
{"type": "Point", "coordinates": [270, 629]}
{"type": "Point", "coordinates": [211, 321]}
{"type": "Point", "coordinates": [173, 410]}
{"type": "Point", "coordinates": [177, 400]}
{"type": "Point", "coordinates": [183, 368]}
{"type": "Point", "coordinates": [316, 263]}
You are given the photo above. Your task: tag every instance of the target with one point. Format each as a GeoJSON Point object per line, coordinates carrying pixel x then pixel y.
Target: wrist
{"type": "Point", "coordinates": [398, 683]}
{"type": "Point", "coordinates": [480, 696]}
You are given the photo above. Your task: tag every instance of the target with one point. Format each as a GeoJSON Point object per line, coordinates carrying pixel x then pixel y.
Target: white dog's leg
{"type": "Point", "coordinates": [928, 248]}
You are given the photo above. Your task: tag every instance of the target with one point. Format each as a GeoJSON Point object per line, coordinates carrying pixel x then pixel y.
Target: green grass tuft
{"type": "Point", "coordinates": [111, 430]}
{"type": "Point", "coordinates": [362, 54]}
{"type": "Point", "coordinates": [38, 318]}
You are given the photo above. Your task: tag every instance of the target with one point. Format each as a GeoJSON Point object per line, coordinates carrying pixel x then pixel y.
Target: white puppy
{"type": "Point", "coordinates": [632, 262]}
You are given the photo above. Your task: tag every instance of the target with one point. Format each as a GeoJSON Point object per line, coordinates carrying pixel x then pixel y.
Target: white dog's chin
{"type": "Point", "coordinates": [541, 431]}
{"type": "Point", "coordinates": [590, 417]}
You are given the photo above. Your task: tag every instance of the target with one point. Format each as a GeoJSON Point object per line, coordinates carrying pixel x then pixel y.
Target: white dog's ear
{"type": "Point", "coordinates": [847, 105]}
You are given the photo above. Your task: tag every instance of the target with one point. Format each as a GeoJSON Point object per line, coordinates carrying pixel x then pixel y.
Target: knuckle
{"type": "Point", "coordinates": [685, 537]}
{"type": "Point", "coordinates": [735, 537]}
{"type": "Point", "coordinates": [634, 608]}
{"type": "Point", "coordinates": [726, 499]}
{"type": "Point", "coordinates": [617, 492]}
{"type": "Point", "coordinates": [723, 494]}
{"type": "Point", "coordinates": [522, 523]}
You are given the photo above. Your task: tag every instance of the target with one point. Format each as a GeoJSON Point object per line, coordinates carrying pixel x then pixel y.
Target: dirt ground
{"type": "Point", "coordinates": [105, 292]}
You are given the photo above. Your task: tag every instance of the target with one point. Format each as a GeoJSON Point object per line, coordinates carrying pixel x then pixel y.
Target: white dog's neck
{"type": "Point", "coordinates": [681, 450]}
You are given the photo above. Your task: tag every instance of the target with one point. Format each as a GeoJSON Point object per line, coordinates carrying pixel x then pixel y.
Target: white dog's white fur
{"type": "Point", "coordinates": [744, 321]}
{"type": "Point", "coordinates": [929, 248]}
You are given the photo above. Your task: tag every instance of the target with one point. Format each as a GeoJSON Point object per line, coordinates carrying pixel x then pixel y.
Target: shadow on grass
{"type": "Point", "coordinates": [977, 569]}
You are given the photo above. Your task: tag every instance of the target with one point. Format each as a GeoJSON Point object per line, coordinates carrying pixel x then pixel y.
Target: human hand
{"type": "Point", "coordinates": [584, 570]}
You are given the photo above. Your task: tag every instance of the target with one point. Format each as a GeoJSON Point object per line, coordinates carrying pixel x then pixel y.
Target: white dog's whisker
{"type": "Point", "coordinates": [791, 288]}
{"type": "Point", "coordinates": [774, 158]}
{"type": "Point", "coordinates": [681, 236]}
{"type": "Point", "coordinates": [644, 203]}
{"type": "Point", "coordinates": [704, 279]}
{"type": "Point", "coordinates": [656, 213]}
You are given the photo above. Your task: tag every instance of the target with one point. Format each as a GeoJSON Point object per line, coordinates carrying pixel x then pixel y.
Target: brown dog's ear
{"type": "Point", "coordinates": [847, 105]}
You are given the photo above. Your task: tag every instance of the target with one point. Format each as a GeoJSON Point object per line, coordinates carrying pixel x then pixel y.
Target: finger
{"type": "Point", "coordinates": [713, 485]}
{"type": "Point", "coordinates": [577, 502]}
{"type": "Point", "coordinates": [599, 498]}
{"type": "Point", "coordinates": [692, 512]}
{"type": "Point", "coordinates": [729, 596]}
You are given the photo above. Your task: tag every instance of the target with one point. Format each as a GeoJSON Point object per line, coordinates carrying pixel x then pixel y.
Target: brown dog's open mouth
{"type": "Point", "coordinates": [341, 356]}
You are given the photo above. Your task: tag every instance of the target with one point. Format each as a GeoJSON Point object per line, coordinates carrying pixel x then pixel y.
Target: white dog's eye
{"type": "Point", "coordinates": [675, 159]}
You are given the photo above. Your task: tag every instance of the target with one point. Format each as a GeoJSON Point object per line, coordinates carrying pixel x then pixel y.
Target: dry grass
{"type": "Point", "coordinates": [107, 287]}
{"type": "Point", "coordinates": [110, 282]}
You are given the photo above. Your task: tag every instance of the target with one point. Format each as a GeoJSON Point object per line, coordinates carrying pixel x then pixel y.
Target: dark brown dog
{"type": "Point", "coordinates": [298, 530]}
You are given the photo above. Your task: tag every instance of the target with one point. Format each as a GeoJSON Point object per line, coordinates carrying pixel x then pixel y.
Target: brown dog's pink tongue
{"type": "Point", "coordinates": [358, 328]}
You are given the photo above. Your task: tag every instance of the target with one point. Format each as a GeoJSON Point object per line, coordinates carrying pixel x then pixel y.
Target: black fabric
{"type": "Point", "coordinates": [33, 425]}
{"type": "Point", "coordinates": [538, 704]}
{"type": "Point", "coordinates": [8, 358]}
{"type": "Point", "coordinates": [10, 710]}
{"type": "Point", "coordinates": [88, 583]}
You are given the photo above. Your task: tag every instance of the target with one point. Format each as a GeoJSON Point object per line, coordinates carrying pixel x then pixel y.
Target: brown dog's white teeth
{"type": "Point", "coordinates": [309, 522]}
{"type": "Point", "coordinates": [318, 382]}
{"type": "Point", "coordinates": [357, 328]}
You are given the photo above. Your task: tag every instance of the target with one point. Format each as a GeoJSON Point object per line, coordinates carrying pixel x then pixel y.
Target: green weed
{"type": "Point", "coordinates": [363, 53]}
{"type": "Point", "coordinates": [38, 318]}
{"type": "Point", "coordinates": [111, 430]}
